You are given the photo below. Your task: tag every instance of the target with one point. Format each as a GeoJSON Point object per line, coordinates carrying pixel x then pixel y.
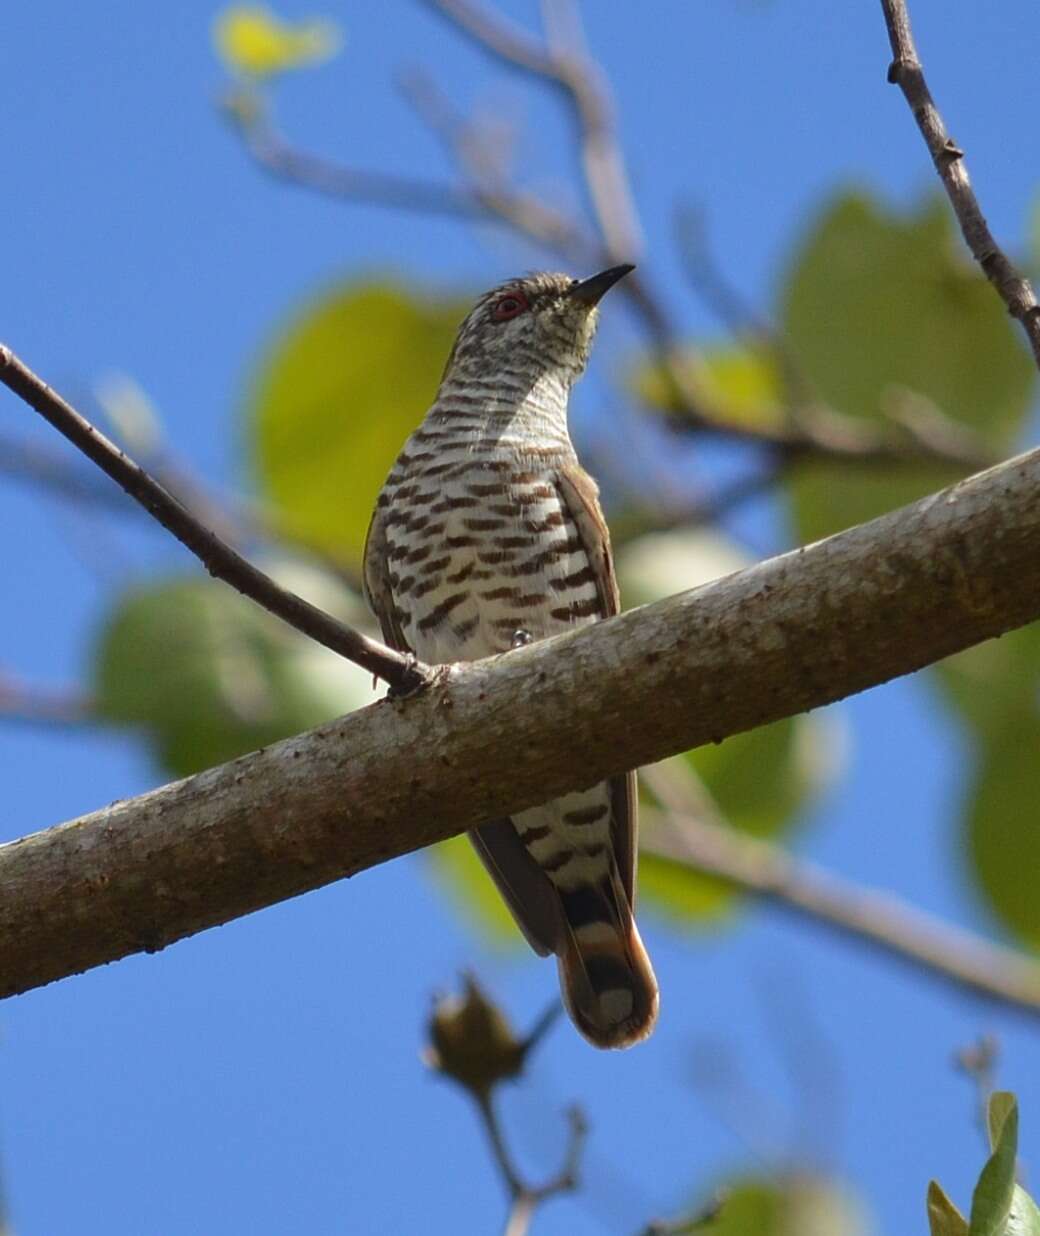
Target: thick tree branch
{"type": "Point", "coordinates": [494, 737]}
{"type": "Point", "coordinates": [223, 562]}
{"type": "Point", "coordinates": [907, 73]}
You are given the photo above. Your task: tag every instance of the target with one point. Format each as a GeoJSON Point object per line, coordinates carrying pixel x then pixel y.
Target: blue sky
{"type": "Point", "coordinates": [265, 1077]}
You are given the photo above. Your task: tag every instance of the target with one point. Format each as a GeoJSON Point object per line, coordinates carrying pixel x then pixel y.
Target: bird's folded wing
{"type": "Point", "coordinates": [580, 496]}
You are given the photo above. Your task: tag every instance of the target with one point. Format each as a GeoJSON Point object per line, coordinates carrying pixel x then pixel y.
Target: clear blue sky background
{"type": "Point", "coordinates": [264, 1077]}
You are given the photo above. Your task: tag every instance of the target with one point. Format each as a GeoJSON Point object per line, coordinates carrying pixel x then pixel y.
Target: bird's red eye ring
{"type": "Point", "coordinates": [510, 306]}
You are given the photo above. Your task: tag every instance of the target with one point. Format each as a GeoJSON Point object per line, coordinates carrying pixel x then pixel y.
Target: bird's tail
{"type": "Point", "coordinates": [606, 978]}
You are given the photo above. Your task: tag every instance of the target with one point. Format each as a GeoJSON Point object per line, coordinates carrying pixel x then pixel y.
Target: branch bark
{"type": "Point", "coordinates": [493, 737]}
{"type": "Point", "coordinates": [402, 673]}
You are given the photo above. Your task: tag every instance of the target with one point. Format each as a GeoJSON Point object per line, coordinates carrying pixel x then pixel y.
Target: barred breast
{"type": "Point", "coordinates": [483, 554]}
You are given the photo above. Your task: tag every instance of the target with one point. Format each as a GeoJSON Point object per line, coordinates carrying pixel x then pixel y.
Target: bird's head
{"type": "Point", "coordinates": [531, 326]}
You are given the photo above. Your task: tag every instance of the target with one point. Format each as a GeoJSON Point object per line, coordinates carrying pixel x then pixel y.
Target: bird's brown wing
{"type": "Point", "coordinates": [375, 579]}
{"type": "Point", "coordinates": [524, 886]}
{"type": "Point", "coordinates": [580, 495]}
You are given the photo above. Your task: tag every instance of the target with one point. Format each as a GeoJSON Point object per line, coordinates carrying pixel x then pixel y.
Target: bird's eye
{"type": "Point", "coordinates": [509, 306]}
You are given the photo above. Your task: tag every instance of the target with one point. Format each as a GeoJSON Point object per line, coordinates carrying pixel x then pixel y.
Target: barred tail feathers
{"type": "Point", "coordinates": [606, 978]}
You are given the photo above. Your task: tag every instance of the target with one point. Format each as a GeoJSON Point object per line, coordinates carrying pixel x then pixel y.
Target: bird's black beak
{"type": "Point", "coordinates": [591, 291]}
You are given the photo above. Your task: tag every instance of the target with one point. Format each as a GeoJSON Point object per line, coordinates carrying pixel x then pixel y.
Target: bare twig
{"type": "Point", "coordinates": [498, 201]}
{"type": "Point", "coordinates": [580, 82]}
{"type": "Point", "coordinates": [276, 156]}
{"type": "Point", "coordinates": [42, 706]}
{"type": "Point", "coordinates": [48, 469]}
{"type": "Point", "coordinates": [907, 73]}
{"type": "Point", "coordinates": [473, 1045]}
{"type": "Point", "coordinates": [526, 1198]}
{"type": "Point", "coordinates": [877, 919]}
{"type": "Point", "coordinates": [402, 673]}
{"type": "Point", "coordinates": [978, 1062]}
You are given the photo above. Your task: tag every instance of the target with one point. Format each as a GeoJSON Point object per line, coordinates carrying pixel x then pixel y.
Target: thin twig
{"type": "Point", "coordinates": [42, 706]}
{"type": "Point", "coordinates": [45, 468]}
{"type": "Point", "coordinates": [978, 1062]}
{"type": "Point", "coordinates": [402, 673]}
{"type": "Point", "coordinates": [880, 920]}
{"type": "Point", "coordinates": [525, 1198]}
{"type": "Point", "coordinates": [907, 73]}
{"type": "Point", "coordinates": [496, 199]}
{"type": "Point", "coordinates": [271, 152]}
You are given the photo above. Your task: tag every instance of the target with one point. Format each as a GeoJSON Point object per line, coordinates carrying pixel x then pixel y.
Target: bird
{"type": "Point", "coordinates": [487, 535]}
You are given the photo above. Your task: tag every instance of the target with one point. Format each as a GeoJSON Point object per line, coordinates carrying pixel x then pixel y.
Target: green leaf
{"type": "Point", "coordinates": [992, 1200]}
{"type": "Point", "coordinates": [1024, 1219]}
{"type": "Point", "coordinates": [1001, 824]}
{"type": "Point", "coordinates": [210, 676]}
{"type": "Point", "coordinates": [944, 1219]}
{"type": "Point", "coordinates": [334, 401]}
{"type": "Point", "coordinates": [995, 686]}
{"type": "Point", "coordinates": [883, 312]}
{"type": "Point", "coordinates": [759, 782]}
{"type": "Point", "coordinates": [1000, 1106]}
{"type": "Point", "coordinates": [801, 1205]}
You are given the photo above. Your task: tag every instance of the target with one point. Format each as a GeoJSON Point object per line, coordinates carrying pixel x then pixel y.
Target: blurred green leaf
{"type": "Point", "coordinates": [336, 398]}
{"type": "Point", "coordinates": [209, 675]}
{"type": "Point", "coordinates": [944, 1219]}
{"type": "Point", "coordinates": [801, 1205]}
{"type": "Point", "coordinates": [1003, 832]}
{"type": "Point", "coordinates": [758, 782]}
{"type": "Point", "coordinates": [995, 686]}
{"type": "Point", "coordinates": [734, 385]}
{"type": "Point", "coordinates": [882, 312]}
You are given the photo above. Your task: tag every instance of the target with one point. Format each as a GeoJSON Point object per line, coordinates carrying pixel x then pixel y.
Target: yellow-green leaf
{"type": "Point", "coordinates": [335, 398]}
{"type": "Point", "coordinates": [732, 385]}
{"type": "Point", "coordinates": [797, 1205]}
{"type": "Point", "coordinates": [944, 1219]}
{"type": "Point", "coordinates": [253, 42]}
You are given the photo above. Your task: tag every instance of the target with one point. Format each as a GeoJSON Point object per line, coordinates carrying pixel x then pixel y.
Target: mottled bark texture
{"type": "Point", "coordinates": [497, 736]}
